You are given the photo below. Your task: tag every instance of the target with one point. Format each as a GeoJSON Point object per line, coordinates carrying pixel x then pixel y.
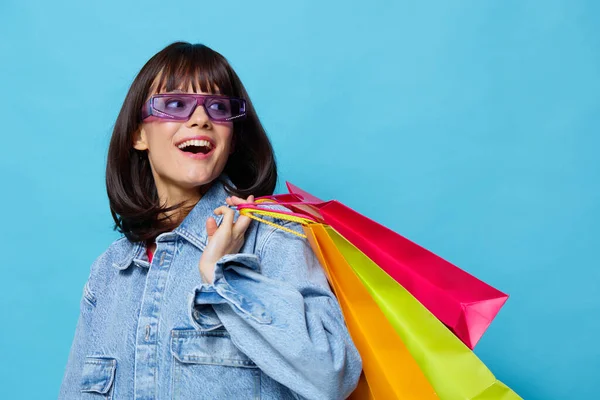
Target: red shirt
{"type": "Point", "coordinates": [149, 253]}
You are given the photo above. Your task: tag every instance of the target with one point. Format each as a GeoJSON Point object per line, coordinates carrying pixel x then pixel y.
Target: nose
{"type": "Point", "coordinates": [199, 118]}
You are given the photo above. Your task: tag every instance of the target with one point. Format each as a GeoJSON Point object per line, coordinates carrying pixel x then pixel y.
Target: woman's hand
{"type": "Point", "coordinates": [228, 238]}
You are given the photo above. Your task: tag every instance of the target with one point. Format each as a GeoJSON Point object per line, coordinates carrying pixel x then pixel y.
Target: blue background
{"type": "Point", "coordinates": [470, 127]}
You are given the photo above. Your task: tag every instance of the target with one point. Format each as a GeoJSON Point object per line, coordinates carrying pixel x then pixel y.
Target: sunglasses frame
{"type": "Point", "coordinates": [149, 111]}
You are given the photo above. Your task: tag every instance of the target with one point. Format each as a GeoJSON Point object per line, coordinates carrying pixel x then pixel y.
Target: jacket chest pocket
{"type": "Point", "coordinates": [97, 378]}
{"type": "Point", "coordinates": [207, 365]}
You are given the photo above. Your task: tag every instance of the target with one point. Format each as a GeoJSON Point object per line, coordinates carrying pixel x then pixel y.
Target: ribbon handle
{"type": "Point", "coordinates": [251, 210]}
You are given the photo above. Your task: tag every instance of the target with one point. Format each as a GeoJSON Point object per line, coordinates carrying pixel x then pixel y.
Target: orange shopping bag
{"type": "Point", "coordinates": [390, 371]}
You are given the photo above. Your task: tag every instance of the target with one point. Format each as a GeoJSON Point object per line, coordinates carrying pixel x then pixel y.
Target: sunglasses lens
{"type": "Point", "coordinates": [224, 109]}
{"type": "Point", "coordinates": [219, 108]}
{"type": "Point", "coordinates": [175, 106]}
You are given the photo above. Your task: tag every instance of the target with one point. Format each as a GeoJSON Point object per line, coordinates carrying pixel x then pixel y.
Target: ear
{"type": "Point", "coordinates": [139, 139]}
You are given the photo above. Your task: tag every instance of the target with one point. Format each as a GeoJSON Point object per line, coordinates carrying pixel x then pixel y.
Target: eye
{"type": "Point", "coordinates": [174, 104]}
{"type": "Point", "coordinates": [220, 106]}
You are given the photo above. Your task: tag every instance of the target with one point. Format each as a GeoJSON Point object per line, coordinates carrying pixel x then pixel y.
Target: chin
{"type": "Point", "coordinates": [196, 182]}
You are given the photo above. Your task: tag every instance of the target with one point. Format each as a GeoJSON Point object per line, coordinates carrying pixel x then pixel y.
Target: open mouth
{"type": "Point", "coordinates": [196, 149]}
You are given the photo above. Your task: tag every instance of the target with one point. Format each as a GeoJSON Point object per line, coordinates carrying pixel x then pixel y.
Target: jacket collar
{"type": "Point", "coordinates": [192, 228]}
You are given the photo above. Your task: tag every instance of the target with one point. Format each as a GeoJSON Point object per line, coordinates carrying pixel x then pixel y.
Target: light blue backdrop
{"type": "Point", "coordinates": [470, 127]}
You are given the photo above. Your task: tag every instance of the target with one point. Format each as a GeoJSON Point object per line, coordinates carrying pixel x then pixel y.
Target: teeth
{"type": "Point", "coordinates": [199, 143]}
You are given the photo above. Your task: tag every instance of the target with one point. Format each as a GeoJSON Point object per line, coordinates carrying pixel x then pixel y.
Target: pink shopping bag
{"type": "Point", "coordinates": [462, 302]}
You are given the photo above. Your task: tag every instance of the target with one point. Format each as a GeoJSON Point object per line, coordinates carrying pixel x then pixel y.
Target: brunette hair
{"type": "Point", "coordinates": [133, 199]}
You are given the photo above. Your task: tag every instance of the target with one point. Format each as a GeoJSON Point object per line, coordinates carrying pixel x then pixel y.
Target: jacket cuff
{"type": "Point", "coordinates": [246, 260]}
{"type": "Point", "coordinates": [221, 290]}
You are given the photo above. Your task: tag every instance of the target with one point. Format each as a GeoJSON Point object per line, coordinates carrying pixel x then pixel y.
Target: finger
{"type": "Point", "coordinates": [235, 200]}
{"type": "Point", "coordinates": [243, 222]}
{"type": "Point", "coordinates": [241, 225]}
{"type": "Point", "coordinates": [211, 226]}
{"type": "Point", "coordinates": [238, 200]}
{"type": "Point", "coordinates": [228, 215]}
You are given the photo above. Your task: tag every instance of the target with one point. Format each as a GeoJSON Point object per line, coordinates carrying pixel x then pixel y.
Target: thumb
{"type": "Point", "coordinates": [211, 227]}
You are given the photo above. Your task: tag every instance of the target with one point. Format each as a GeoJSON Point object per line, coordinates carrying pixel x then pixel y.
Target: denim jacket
{"type": "Point", "coordinates": [269, 326]}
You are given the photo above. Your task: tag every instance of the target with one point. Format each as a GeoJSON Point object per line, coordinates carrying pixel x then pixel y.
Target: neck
{"type": "Point", "coordinates": [172, 195]}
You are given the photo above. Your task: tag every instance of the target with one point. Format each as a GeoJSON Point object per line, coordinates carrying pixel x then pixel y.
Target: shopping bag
{"type": "Point", "coordinates": [390, 370]}
{"type": "Point", "coordinates": [452, 369]}
{"type": "Point", "coordinates": [464, 303]}
{"type": "Point", "coordinates": [362, 391]}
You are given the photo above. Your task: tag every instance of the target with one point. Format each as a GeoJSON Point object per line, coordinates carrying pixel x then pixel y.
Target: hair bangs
{"type": "Point", "coordinates": [194, 66]}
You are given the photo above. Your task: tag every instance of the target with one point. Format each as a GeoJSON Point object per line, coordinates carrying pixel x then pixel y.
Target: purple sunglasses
{"type": "Point", "coordinates": [180, 106]}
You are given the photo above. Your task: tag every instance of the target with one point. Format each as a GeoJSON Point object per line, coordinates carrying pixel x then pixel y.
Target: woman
{"type": "Point", "coordinates": [196, 301]}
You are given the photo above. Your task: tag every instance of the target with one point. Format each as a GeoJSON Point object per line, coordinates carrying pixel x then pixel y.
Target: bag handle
{"type": "Point", "coordinates": [252, 209]}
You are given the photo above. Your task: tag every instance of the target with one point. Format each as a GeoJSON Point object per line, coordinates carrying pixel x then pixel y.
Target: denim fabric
{"type": "Point", "coordinates": [269, 326]}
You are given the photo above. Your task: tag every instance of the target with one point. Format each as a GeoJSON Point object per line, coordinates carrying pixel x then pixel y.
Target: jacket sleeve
{"type": "Point", "coordinates": [279, 310]}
